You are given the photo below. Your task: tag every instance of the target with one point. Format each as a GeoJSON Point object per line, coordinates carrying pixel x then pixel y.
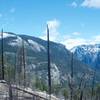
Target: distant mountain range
{"type": "Point", "coordinates": [61, 58]}
{"type": "Point", "coordinates": [88, 54]}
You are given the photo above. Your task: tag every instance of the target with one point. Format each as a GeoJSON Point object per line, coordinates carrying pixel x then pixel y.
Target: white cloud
{"type": "Point", "coordinates": [68, 40]}
{"type": "Point", "coordinates": [12, 10]}
{"type": "Point", "coordinates": [97, 39]}
{"type": "Point", "coordinates": [71, 41]}
{"type": "Point", "coordinates": [53, 28]}
{"type": "Point", "coordinates": [74, 4]}
{"type": "Point", "coordinates": [53, 24]}
{"type": "Point", "coordinates": [91, 3]}
{"type": "Point", "coordinates": [76, 33]}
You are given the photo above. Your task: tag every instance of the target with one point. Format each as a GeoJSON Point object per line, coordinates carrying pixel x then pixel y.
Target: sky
{"type": "Point", "coordinates": [71, 22]}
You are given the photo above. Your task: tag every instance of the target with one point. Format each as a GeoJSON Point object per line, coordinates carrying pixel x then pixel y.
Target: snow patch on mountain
{"type": "Point", "coordinates": [16, 42]}
{"type": "Point", "coordinates": [36, 46]}
{"type": "Point", "coordinates": [55, 74]}
{"type": "Point", "coordinates": [6, 35]}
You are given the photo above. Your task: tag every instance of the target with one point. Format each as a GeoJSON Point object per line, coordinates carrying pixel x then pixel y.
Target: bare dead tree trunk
{"type": "Point", "coordinates": [2, 54]}
{"type": "Point", "coordinates": [49, 68]}
{"type": "Point", "coordinates": [81, 81]}
{"type": "Point", "coordinates": [24, 63]}
{"type": "Point", "coordinates": [10, 92]}
{"type": "Point", "coordinates": [82, 90]}
{"type": "Point", "coordinates": [81, 95]}
{"type": "Point", "coordinates": [71, 89]}
{"type": "Point", "coordinates": [93, 83]}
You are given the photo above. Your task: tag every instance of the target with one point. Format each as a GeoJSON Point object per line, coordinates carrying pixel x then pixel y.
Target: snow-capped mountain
{"type": "Point", "coordinates": [36, 58]}
{"type": "Point", "coordinates": [89, 54]}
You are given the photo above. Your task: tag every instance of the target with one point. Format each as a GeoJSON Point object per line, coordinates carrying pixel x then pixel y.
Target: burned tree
{"type": "Point", "coordinates": [49, 68]}
{"type": "Point", "coordinates": [71, 83]}
{"type": "Point", "coordinates": [2, 56]}
{"type": "Point", "coordinates": [21, 65]}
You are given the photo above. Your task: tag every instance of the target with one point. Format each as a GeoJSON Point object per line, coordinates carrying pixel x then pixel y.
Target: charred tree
{"type": "Point", "coordinates": [21, 67]}
{"type": "Point", "coordinates": [71, 84]}
{"type": "Point", "coordinates": [2, 56]}
{"type": "Point", "coordinates": [93, 84]}
{"type": "Point", "coordinates": [49, 67]}
{"type": "Point", "coordinates": [24, 63]}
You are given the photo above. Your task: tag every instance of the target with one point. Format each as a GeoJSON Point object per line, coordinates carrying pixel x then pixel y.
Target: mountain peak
{"type": "Point", "coordinates": [88, 54]}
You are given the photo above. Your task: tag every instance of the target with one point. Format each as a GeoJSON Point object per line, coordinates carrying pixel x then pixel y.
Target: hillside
{"type": "Point", "coordinates": [36, 61]}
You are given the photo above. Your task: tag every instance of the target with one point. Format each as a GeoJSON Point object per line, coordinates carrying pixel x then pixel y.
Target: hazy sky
{"type": "Point", "coordinates": [71, 22]}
